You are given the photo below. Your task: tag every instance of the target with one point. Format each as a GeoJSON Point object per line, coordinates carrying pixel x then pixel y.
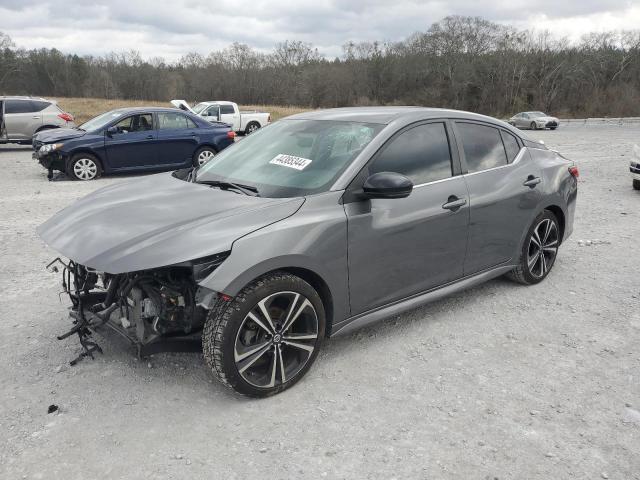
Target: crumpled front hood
{"type": "Point", "coordinates": [156, 221]}
{"type": "Point", "coordinates": [58, 135]}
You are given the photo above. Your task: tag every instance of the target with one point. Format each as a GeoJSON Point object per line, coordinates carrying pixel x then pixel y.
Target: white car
{"type": "Point", "coordinates": [634, 168]}
{"type": "Point", "coordinates": [534, 121]}
{"type": "Point", "coordinates": [228, 112]}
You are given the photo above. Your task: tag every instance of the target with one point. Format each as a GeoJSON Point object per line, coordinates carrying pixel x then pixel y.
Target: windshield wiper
{"type": "Point", "coordinates": [246, 189]}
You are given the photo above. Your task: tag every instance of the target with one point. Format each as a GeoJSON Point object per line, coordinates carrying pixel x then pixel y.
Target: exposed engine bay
{"type": "Point", "coordinates": [155, 310]}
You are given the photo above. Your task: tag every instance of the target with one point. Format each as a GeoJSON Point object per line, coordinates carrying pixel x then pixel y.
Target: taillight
{"type": "Point", "coordinates": [573, 170]}
{"type": "Point", "coordinates": [231, 135]}
{"type": "Point", "coordinates": [66, 117]}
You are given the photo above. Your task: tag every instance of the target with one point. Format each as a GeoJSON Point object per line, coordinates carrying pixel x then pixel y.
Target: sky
{"type": "Point", "coordinates": [170, 29]}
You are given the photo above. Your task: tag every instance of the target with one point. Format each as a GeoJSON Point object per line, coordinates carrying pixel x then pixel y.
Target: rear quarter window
{"type": "Point", "coordinates": [39, 105]}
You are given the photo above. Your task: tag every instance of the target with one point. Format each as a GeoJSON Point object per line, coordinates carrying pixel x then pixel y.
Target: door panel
{"type": "Point", "coordinates": [135, 145]}
{"type": "Point", "coordinates": [502, 208]}
{"type": "Point", "coordinates": [178, 139]}
{"type": "Point", "coordinates": [21, 121]}
{"type": "Point", "coordinates": [400, 247]}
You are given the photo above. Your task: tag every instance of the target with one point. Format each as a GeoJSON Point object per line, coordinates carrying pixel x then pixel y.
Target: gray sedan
{"type": "Point", "coordinates": [534, 121]}
{"type": "Point", "coordinates": [312, 227]}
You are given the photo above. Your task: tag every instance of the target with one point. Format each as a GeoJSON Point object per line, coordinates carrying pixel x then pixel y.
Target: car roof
{"type": "Point", "coordinates": [216, 102]}
{"type": "Point", "coordinates": [25, 97]}
{"type": "Point", "coordinates": [147, 109]}
{"type": "Point", "coordinates": [386, 115]}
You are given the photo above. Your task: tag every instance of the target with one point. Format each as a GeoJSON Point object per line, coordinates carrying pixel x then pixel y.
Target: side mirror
{"type": "Point", "coordinates": [387, 185]}
{"type": "Point", "coordinates": [111, 131]}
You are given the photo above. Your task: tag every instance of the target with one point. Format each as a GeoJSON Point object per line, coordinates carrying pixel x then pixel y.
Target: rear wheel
{"type": "Point", "coordinates": [539, 250]}
{"type": "Point", "coordinates": [203, 155]}
{"type": "Point", "coordinates": [636, 184]}
{"type": "Point", "coordinates": [266, 338]}
{"type": "Point", "coordinates": [84, 166]}
{"type": "Point", "coordinates": [251, 127]}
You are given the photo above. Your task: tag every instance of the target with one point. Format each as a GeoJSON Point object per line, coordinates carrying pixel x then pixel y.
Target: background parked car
{"type": "Point", "coordinates": [634, 168]}
{"type": "Point", "coordinates": [245, 122]}
{"type": "Point", "coordinates": [22, 117]}
{"type": "Point", "coordinates": [534, 120]}
{"type": "Point", "coordinates": [131, 139]}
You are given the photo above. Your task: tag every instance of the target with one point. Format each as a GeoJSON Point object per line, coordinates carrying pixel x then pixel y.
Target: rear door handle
{"type": "Point", "coordinates": [532, 181]}
{"type": "Point", "coordinates": [454, 203]}
{"type": "Point", "coordinates": [36, 117]}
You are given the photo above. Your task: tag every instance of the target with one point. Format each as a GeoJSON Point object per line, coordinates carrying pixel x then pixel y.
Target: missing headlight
{"type": "Point", "coordinates": [203, 267]}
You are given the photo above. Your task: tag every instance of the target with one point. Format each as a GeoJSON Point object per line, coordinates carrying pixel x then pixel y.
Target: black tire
{"type": "Point", "coordinates": [92, 169]}
{"type": "Point", "coordinates": [636, 184]}
{"type": "Point", "coordinates": [199, 157]}
{"type": "Point", "coordinates": [552, 128]}
{"type": "Point", "coordinates": [533, 126]}
{"type": "Point", "coordinates": [230, 325]}
{"type": "Point", "coordinates": [251, 127]}
{"type": "Point", "coordinates": [532, 269]}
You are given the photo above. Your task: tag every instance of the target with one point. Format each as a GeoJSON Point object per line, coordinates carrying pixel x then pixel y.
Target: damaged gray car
{"type": "Point", "coordinates": [314, 226]}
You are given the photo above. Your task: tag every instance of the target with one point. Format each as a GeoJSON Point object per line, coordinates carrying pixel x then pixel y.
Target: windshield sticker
{"type": "Point", "coordinates": [290, 161]}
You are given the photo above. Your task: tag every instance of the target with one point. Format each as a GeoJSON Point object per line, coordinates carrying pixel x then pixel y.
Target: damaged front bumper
{"type": "Point", "coordinates": [51, 161]}
{"type": "Point", "coordinates": [154, 311]}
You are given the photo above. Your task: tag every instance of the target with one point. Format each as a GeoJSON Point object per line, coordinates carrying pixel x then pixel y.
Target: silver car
{"type": "Point", "coordinates": [534, 121]}
{"type": "Point", "coordinates": [311, 227]}
{"type": "Point", "coordinates": [22, 117]}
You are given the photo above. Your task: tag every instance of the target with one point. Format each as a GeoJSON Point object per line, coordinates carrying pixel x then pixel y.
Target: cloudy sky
{"type": "Point", "coordinates": [170, 29]}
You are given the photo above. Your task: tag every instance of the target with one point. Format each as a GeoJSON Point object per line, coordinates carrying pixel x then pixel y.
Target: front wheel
{"type": "Point", "coordinates": [636, 184]}
{"type": "Point", "coordinates": [84, 166]}
{"type": "Point", "coordinates": [539, 250]}
{"type": "Point", "coordinates": [266, 338]}
{"type": "Point", "coordinates": [533, 126]}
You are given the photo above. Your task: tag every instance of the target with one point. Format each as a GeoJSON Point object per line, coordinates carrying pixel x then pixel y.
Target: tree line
{"type": "Point", "coordinates": [459, 62]}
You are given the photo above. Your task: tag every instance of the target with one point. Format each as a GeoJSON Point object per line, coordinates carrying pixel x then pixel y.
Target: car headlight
{"type": "Point", "coordinates": [50, 147]}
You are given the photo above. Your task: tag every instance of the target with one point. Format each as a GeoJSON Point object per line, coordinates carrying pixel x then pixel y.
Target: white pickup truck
{"type": "Point", "coordinates": [227, 112]}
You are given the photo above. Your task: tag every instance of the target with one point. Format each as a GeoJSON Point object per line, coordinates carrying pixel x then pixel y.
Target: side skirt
{"type": "Point", "coordinates": [372, 316]}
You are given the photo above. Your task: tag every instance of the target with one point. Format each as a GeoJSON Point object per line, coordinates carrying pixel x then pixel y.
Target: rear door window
{"type": "Point", "coordinates": [511, 145]}
{"type": "Point", "coordinates": [421, 153]}
{"type": "Point", "coordinates": [18, 106]}
{"type": "Point", "coordinates": [227, 109]}
{"type": "Point", "coordinates": [174, 121]}
{"type": "Point", "coordinates": [483, 148]}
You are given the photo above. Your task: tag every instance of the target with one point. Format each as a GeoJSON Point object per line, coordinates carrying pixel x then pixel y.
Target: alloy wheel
{"type": "Point", "coordinates": [543, 248]}
{"type": "Point", "coordinates": [85, 169]}
{"type": "Point", "coordinates": [204, 156]}
{"type": "Point", "coordinates": [252, 128]}
{"type": "Point", "coordinates": [276, 339]}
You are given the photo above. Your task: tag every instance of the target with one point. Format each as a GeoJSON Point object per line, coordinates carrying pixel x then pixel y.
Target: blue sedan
{"type": "Point", "coordinates": [131, 140]}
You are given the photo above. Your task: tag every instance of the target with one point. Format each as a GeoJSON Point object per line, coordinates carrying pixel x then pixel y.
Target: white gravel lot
{"type": "Point", "coordinates": [502, 381]}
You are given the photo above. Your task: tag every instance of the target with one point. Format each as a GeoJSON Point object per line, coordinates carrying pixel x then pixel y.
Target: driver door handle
{"type": "Point", "coordinates": [454, 203]}
{"type": "Point", "coordinates": [531, 181]}
{"type": "Point", "coordinates": [149, 137]}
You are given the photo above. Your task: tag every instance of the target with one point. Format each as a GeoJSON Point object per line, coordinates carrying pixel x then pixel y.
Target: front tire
{"type": "Point", "coordinates": [533, 126]}
{"type": "Point", "coordinates": [265, 339]}
{"type": "Point", "coordinates": [539, 250]}
{"type": "Point", "coordinates": [636, 184]}
{"type": "Point", "coordinates": [84, 167]}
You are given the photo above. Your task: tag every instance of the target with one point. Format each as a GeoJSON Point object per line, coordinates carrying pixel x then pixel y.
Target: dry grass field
{"type": "Point", "coordinates": [85, 108]}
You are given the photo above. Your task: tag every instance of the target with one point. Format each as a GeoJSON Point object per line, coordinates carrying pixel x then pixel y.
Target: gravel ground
{"type": "Point", "coordinates": [501, 381]}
